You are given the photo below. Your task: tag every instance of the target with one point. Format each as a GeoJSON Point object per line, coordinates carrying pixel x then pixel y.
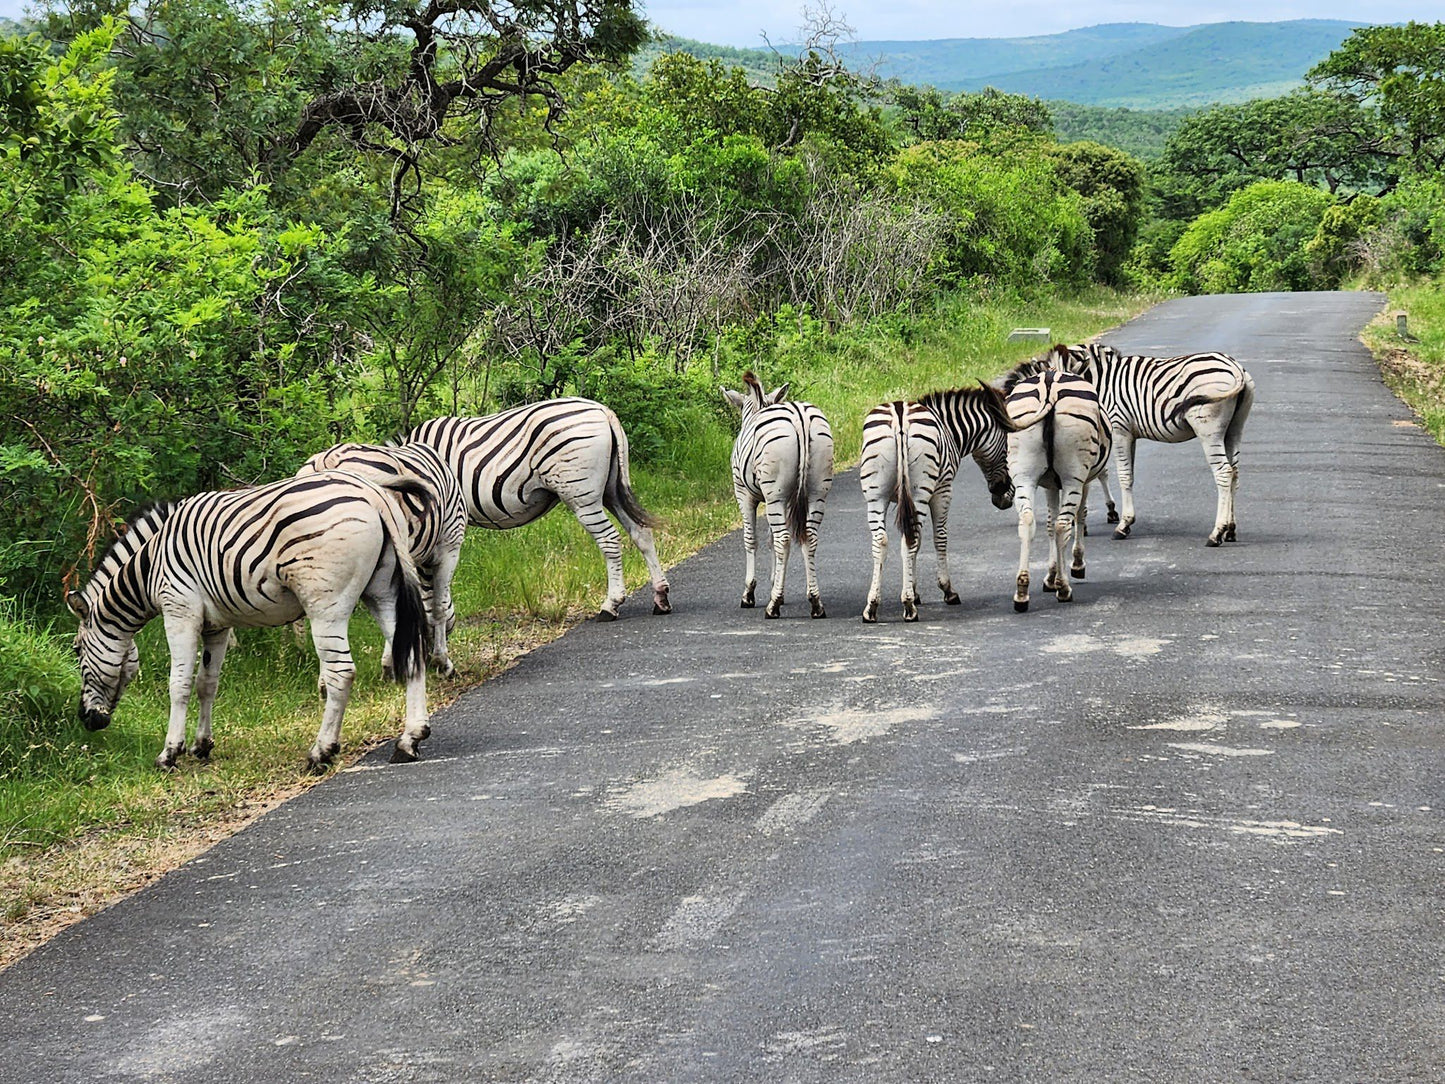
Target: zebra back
{"type": "Point", "coordinates": [434, 518]}
{"type": "Point", "coordinates": [1147, 395]}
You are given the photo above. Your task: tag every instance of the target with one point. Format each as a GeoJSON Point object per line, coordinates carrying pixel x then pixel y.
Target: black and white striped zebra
{"type": "Point", "coordinates": [911, 452]}
{"type": "Point", "coordinates": [254, 557]}
{"type": "Point", "coordinates": [782, 458]}
{"type": "Point", "coordinates": [436, 526]}
{"type": "Point", "coordinates": [1205, 395]}
{"type": "Point", "coordinates": [1060, 443]}
{"type": "Point", "coordinates": [515, 466]}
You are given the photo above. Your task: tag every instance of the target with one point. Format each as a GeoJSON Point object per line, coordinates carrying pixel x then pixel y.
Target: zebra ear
{"type": "Point", "coordinates": [777, 395]}
{"type": "Point", "coordinates": [736, 398]}
{"type": "Point", "coordinates": [78, 606]}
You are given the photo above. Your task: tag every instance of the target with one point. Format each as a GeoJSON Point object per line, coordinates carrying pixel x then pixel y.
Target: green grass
{"type": "Point", "coordinates": [1415, 370]}
{"type": "Point", "coordinates": [85, 816]}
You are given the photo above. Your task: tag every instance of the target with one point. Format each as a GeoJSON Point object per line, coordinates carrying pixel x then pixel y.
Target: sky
{"type": "Point", "coordinates": [743, 22]}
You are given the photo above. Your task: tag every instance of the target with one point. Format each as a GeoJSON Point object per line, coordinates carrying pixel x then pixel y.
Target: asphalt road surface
{"type": "Point", "coordinates": [1185, 828]}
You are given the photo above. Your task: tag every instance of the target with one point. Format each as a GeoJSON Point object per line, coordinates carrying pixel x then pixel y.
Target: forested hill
{"type": "Point", "coordinates": [1139, 65]}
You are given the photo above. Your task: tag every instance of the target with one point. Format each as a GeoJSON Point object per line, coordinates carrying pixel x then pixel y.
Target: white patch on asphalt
{"type": "Point", "coordinates": [1138, 647]}
{"type": "Point", "coordinates": [184, 1041]}
{"type": "Point", "coordinates": [1211, 749]}
{"type": "Point", "coordinates": [825, 1044]}
{"type": "Point", "coordinates": [1075, 644]}
{"type": "Point", "coordinates": [792, 811]}
{"type": "Point", "coordinates": [994, 754]}
{"type": "Point", "coordinates": [569, 909]}
{"type": "Point", "coordinates": [696, 921]}
{"type": "Point", "coordinates": [677, 789]}
{"type": "Point", "coordinates": [1281, 830]}
{"type": "Point", "coordinates": [851, 726]}
{"type": "Point", "coordinates": [1199, 720]}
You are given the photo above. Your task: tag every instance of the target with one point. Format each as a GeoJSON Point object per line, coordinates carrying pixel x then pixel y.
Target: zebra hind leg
{"type": "Point", "coordinates": [781, 544]}
{"type": "Point", "coordinates": [213, 654]}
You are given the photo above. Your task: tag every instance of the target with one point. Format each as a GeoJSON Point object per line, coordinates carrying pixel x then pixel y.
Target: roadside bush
{"type": "Point", "coordinates": [1255, 242]}
{"type": "Point", "coordinates": [1337, 248]}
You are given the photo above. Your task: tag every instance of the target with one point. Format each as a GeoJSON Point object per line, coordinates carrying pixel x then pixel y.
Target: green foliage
{"type": "Point", "coordinates": [928, 115]}
{"type": "Point", "coordinates": [1009, 220]}
{"type": "Point", "coordinates": [1256, 241]}
{"type": "Point", "coordinates": [1308, 136]}
{"type": "Point", "coordinates": [1335, 249]}
{"type": "Point", "coordinates": [1399, 70]}
{"type": "Point", "coordinates": [1410, 242]}
{"type": "Point", "coordinates": [1111, 184]}
{"type": "Point", "coordinates": [1140, 132]}
{"type": "Point", "coordinates": [39, 684]}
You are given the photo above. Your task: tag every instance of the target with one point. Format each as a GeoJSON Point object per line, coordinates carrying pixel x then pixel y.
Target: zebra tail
{"type": "Point", "coordinates": [618, 497]}
{"type": "Point", "coordinates": [798, 502]}
{"type": "Point", "coordinates": [903, 494]}
{"type": "Point", "coordinates": [408, 643]}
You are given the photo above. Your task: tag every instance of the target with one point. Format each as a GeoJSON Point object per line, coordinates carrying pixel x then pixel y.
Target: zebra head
{"type": "Point", "coordinates": [991, 455]}
{"type": "Point", "coordinates": [753, 398]}
{"type": "Point", "coordinates": [108, 661]}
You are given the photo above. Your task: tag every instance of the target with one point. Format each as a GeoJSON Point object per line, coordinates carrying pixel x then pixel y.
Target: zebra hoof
{"type": "Point", "coordinates": [1121, 533]}
{"type": "Point", "coordinates": [1213, 541]}
{"type": "Point", "coordinates": [657, 609]}
{"type": "Point", "coordinates": [1229, 535]}
{"type": "Point", "coordinates": [773, 610]}
{"type": "Point", "coordinates": [870, 614]}
{"type": "Point", "coordinates": [403, 755]}
{"type": "Point", "coordinates": [166, 762]}
{"type": "Point", "coordinates": [1077, 573]}
{"type": "Point", "coordinates": [1051, 583]}
{"type": "Point", "coordinates": [606, 615]}
{"type": "Point", "coordinates": [747, 603]}
{"type": "Point", "coordinates": [316, 763]}
{"type": "Point", "coordinates": [1113, 516]}
{"type": "Point", "coordinates": [444, 667]}
{"type": "Point", "coordinates": [1065, 598]}
{"type": "Point", "coordinates": [910, 613]}
{"type": "Point", "coordinates": [1021, 606]}
{"type": "Point", "coordinates": [201, 748]}
{"type": "Point", "coordinates": [660, 602]}
{"type": "Point", "coordinates": [951, 598]}
{"type": "Point", "coordinates": [815, 604]}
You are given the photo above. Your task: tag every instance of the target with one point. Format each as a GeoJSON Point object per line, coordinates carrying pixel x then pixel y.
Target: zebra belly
{"type": "Point", "coordinates": [502, 519]}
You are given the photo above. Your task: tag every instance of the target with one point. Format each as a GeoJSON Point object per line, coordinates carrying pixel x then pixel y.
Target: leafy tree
{"type": "Point", "coordinates": [1256, 241]}
{"type": "Point", "coordinates": [1308, 136]}
{"type": "Point", "coordinates": [1399, 70]}
{"type": "Point", "coordinates": [928, 115]}
{"type": "Point", "coordinates": [1111, 184]}
{"type": "Point", "coordinates": [1010, 220]}
{"type": "Point", "coordinates": [1337, 248]}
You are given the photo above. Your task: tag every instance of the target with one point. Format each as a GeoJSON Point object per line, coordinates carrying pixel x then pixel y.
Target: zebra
{"type": "Point", "coordinates": [514, 466]}
{"type": "Point", "coordinates": [1060, 442]}
{"type": "Point", "coordinates": [255, 557]}
{"type": "Point", "coordinates": [911, 452]}
{"type": "Point", "coordinates": [783, 457]}
{"type": "Point", "coordinates": [435, 527]}
{"type": "Point", "coordinates": [1205, 395]}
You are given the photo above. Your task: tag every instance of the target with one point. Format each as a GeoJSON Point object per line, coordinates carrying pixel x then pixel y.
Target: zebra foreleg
{"type": "Point", "coordinates": [1112, 515]}
{"type": "Point", "coordinates": [383, 611]}
{"type": "Point", "coordinates": [436, 589]}
{"type": "Point", "coordinates": [208, 680]}
{"type": "Point", "coordinates": [938, 514]}
{"type": "Point", "coordinates": [182, 636]}
{"type": "Point", "coordinates": [338, 671]}
{"type": "Point", "coordinates": [1076, 567]}
{"type": "Point", "coordinates": [1051, 579]}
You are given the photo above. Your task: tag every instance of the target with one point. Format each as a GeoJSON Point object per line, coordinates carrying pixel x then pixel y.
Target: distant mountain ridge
{"type": "Point", "coordinates": [1137, 65]}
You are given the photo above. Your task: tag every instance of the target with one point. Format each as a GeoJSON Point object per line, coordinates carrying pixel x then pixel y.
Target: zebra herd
{"type": "Point", "coordinates": [384, 525]}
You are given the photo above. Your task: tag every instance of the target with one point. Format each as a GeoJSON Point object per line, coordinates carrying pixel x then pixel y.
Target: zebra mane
{"type": "Point", "coordinates": [137, 531]}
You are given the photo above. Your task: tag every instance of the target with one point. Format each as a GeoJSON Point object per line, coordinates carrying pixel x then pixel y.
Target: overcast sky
{"type": "Point", "coordinates": [742, 22]}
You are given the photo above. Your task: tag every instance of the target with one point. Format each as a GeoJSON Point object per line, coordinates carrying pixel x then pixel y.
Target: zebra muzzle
{"type": "Point", "coordinates": [92, 719]}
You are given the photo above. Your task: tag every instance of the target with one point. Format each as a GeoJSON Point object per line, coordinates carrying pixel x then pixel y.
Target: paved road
{"type": "Point", "coordinates": [1187, 828]}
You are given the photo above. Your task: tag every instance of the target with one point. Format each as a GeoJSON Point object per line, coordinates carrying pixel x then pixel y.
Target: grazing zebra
{"type": "Point", "coordinates": [514, 466]}
{"type": "Point", "coordinates": [255, 557]}
{"type": "Point", "coordinates": [1060, 443]}
{"type": "Point", "coordinates": [436, 525]}
{"type": "Point", "coordinates": [911, 452]}
{"type": "Point", "coordinates": [1205, 395]}
{"type": "Point", "coordinates": [783, 457]}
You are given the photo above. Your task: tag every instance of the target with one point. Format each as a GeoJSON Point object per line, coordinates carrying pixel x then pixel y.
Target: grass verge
{"type": "Point", "coordinates": [1414, 368]}
{"type": "Point", "coordinates": [85, 818]}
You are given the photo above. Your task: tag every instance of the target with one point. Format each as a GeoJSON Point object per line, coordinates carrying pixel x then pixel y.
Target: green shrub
{"type": "Point", "coordinates": [1255, 242]}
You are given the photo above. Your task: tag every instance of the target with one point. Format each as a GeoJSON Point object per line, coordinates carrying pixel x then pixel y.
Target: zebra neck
{"type": "Point", "coordinates": [127, 601]}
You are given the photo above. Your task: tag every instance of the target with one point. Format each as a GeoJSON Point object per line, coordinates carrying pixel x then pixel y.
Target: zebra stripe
{"type": "Point", "coordinates": [515, 466]}
{"type": "Point", "coordinates": [436, 523]}
{"type": "Point", "coordinates": [911, 452]}
{"type": "Point", "coordinates": [1205, 395]}
{"type": "Point", "coordinates": [782, 458]}
{"type": "Point", "coordinates": [254, 557]}
{"type": "Point", "coordinates": [1060, 443]}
